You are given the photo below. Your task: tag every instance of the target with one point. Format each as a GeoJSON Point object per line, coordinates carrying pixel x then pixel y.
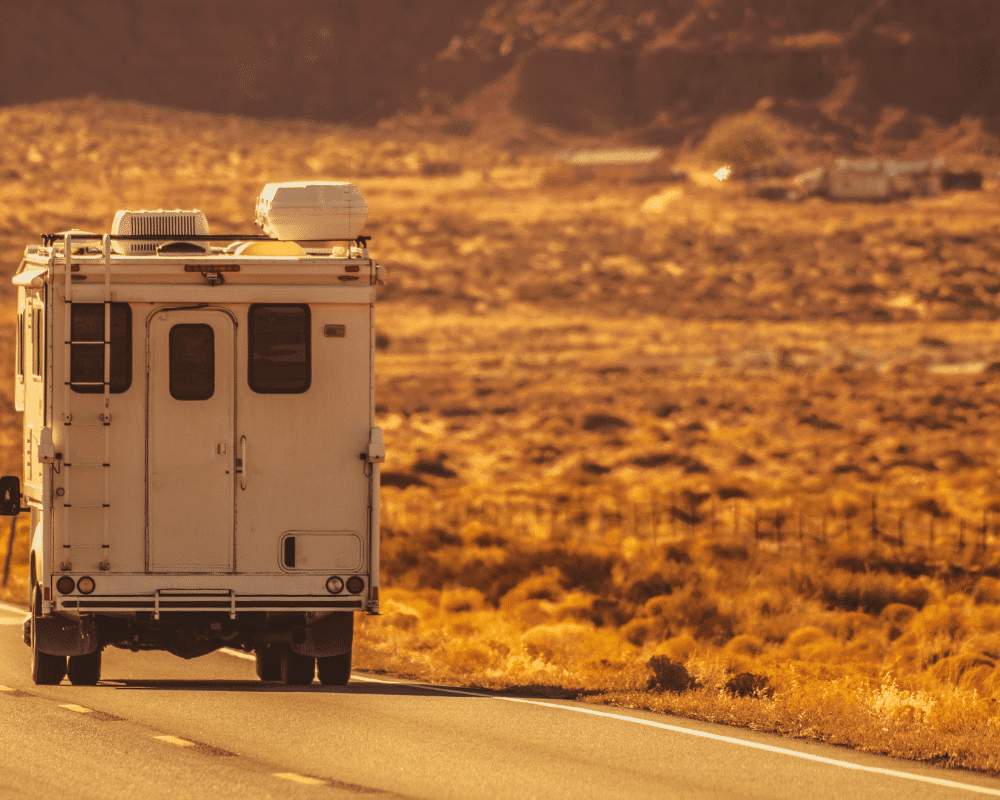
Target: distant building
{"type": "Point", "coordinates": [633, 165]}
{"type": "Point", "coordinates": [873, 179]}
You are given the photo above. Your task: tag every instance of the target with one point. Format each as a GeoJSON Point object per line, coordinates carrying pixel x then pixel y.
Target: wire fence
{"type": "Point", "coordinates": [667, 517]}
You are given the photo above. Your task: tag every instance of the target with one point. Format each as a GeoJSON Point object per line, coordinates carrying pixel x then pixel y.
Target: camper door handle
{"type": "Point", "coordinates": [242, 469]}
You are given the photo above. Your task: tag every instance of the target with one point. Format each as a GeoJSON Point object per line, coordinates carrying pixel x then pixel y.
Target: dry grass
{"type": "Point", "coordinates": [631, 436]}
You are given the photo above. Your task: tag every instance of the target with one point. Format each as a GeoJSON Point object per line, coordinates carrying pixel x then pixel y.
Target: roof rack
{"type": "Point", "coordinates": [48, 239]}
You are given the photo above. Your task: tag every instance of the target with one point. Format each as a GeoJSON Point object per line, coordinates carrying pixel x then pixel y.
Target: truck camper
{"type": "Point", "coordinates": [200, 462]}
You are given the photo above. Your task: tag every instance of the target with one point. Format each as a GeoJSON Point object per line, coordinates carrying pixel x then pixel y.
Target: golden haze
{"type": "Point", "coordinates": [634, 455]}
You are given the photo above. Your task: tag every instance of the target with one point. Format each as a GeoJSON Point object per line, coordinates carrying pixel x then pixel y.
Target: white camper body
{"type": "Point", "coordinates": [201, 463]}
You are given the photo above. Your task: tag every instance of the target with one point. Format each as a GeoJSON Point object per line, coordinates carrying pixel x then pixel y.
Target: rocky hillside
{"type": "Point", "coordinates": [848, 74]}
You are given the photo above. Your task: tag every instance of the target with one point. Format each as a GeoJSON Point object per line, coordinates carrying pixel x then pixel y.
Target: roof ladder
{"type": "Point", "coordinates": [103, 419]}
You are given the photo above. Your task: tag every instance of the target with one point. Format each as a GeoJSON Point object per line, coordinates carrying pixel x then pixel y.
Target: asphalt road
{"type": "Point", "coordinates": [161, 727]}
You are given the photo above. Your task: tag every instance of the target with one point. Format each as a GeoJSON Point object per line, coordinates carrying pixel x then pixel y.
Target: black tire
{"type": "Point", "coordinates": [334, 670]}
{"type": "Point", "coordinates": [267, 660]}
{"type": "Point", "coordinates": [85, 670]}
{"type": "Point", "coordinates": [46, 669]}
{"type": "Point", "coordinates": [296, 670]}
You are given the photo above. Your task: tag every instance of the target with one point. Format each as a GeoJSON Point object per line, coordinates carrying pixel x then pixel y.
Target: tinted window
{"type": "Point", "coordinates": [87, 351]}
{"type": "Point", "coordinates": [279, 349]}
{"type": "Point", "coordinates": [36, 342]}
{"type": "Point", "coordinates": [192, 362]}
{"type": "Point", "coordinates": [20, 345]}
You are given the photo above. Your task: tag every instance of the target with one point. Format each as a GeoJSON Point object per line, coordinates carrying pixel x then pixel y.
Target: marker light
{"type": "Point", "coordinates": [65, 584]}
{"type": "Point", "coordinates": [355, 585]}
{"type": "Point", "coordinates": [335, 585]}
{"type": "Point", "coordinates": [86, 585]}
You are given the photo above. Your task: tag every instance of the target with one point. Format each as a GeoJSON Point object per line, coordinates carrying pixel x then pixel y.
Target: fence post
{"type": "Point", "coordinates": [874, 527]}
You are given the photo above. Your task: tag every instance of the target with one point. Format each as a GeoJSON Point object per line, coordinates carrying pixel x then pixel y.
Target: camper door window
{"type": "Point", "coordinates": [192, 361]}
{"type": "Point", "coordinates": [86, 371]}
{"type": "Point", "coordinates": [279, 348]}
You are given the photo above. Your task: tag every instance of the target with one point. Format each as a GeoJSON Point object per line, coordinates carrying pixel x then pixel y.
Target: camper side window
{"type": "Point", "coordinates": [86, 371]}
{"type": "Point", "coordinates": [279, 348]}
{"type": "Point", "coordinates": [36, 342]}
{"type": "Point", "coordinates": [20, 345]}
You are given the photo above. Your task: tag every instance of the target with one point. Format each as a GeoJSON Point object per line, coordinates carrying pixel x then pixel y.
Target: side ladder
{"type": "Point", "coordinates": [71, 421]}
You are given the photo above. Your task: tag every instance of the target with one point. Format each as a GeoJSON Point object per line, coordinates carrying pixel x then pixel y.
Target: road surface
{"type": "Point", "coordinates": [161, 727]}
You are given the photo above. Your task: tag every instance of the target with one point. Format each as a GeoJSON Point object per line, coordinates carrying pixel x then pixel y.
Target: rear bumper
{"type": "Point", "coordinates": [231, 603]}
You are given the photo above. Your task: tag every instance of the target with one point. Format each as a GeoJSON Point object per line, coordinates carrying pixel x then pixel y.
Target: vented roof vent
{"type": "Point", "coordinates": [166, 226]}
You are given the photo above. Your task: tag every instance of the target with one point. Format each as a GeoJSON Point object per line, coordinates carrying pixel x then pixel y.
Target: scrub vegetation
{"type": "Point", "coordinates": [670, 447]}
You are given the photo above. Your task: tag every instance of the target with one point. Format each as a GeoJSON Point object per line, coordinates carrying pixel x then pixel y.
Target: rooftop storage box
{"type": "Point", "coordinates": [311, 211]}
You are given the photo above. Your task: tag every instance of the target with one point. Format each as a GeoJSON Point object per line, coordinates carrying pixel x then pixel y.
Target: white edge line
{"type": "Point", "coordinates": [175, 740]}
{"type": "Point", "coordinates": [77, 709]}
{"type": "Point", "coordinates": [230, 652]}
{"type": "Point", "coordinates": [303, 779]}
{"type": "Point", "coordinates": [892, 773]}
{"type": "Point", "coordinates": [13, 609]}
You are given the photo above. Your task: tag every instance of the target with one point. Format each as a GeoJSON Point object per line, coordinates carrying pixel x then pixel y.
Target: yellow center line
{"type": "Point", "coordinates": [77, 709]}
{"type": "Point", "coordinates": [292, 776]}
{"type": "Point", "coordinates": [175, 740]}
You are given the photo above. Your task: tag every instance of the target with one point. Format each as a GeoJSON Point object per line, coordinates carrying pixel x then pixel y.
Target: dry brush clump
{"type": "Point", "coordinates": [876, 659]}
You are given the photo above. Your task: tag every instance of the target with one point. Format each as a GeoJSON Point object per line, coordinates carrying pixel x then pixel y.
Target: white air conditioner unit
{"type": "Point", "coordinates": [311, 211]}
{"type": "Point", "coordinates": [167, 226]}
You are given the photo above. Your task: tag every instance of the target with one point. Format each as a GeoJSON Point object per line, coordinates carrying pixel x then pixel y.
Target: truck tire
{"type": "Point", "coordinates": [334, 670]}
{"type": "Point", "coordinates": [267, 660]}
{"type": "Point", "coordinates": [85, 670]}
{"type": "Point", "coordinates": [46, 669]}
{"type": "Point", "coordinates": [296, 670]}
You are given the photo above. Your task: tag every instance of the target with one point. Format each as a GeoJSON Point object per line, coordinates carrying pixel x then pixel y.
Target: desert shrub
{"type": "Point", "coordinates": [638, 631]}
{"type": "Point", "coordinates": [897, 616]}
{"type": "Point", "coordinates": [402, 620]}
{"type": "Point", "coordinates": [813, 644]}
{"type": "Point", "coordinates": [468, 655]}
{"type": "Point", "coordinates": [678, 648]}
{"type": "Point", "coordinates": [603, 423]}
{"type": "Point", "coordinates": [461, 599]}
{"type": "Point", "coordinates": [805, 636]}
{"type": "Point", "coordinates": [745, 645]}
{"type": "Point", "coordinates": [749, 684]}
{"type": "Point", "coordinates": [951, 669]}
{"type": "Point", "coordinates": [913, 592]}
{"type": "Point", "coordinates": [745, 145]}
{"type": "Point", "coordinates": [668, 676]}
{"type": "Point", "coordinates": [945, 622]}
{"type": "Point", "coordinates": [987, 590]}
{"type": "Point", "coordinates": [565, 645]}
{"type": "Point", "coordinates": [654, 586]}
{"type": "Point", "coordinates": [544, 585]}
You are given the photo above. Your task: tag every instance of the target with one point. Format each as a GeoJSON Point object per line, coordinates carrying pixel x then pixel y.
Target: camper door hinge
{"type": "Point", "coordinates": [46, 450]}
{"type": "Point", "coordinates": [376, 447]}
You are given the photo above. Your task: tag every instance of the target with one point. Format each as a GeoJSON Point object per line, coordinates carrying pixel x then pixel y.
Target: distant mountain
{"type": "Point", "coordinates": [655, 70]}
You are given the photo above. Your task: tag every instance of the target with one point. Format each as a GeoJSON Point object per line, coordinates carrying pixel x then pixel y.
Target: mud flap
{"type": "Point", "coordinates": [329, 636]}
{"type": "Point", "coordinates": [59, 636]}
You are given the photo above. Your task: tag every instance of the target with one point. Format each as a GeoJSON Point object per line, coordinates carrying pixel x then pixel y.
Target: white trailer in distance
{"type": "Point", "coordinates": [201, 463]}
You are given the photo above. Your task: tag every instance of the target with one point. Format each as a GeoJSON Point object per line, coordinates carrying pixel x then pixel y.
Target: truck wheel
{"type": "Point", "coordinates": [46, 669]}
{"type": "Point", "coordinates": [267, 660]}
{"type": "Point", "coordinates": [85, 670]}
{"type": "Point", "coordinates": [334, 670]}
{"type": "Point", "coordinates": [296, 670]}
